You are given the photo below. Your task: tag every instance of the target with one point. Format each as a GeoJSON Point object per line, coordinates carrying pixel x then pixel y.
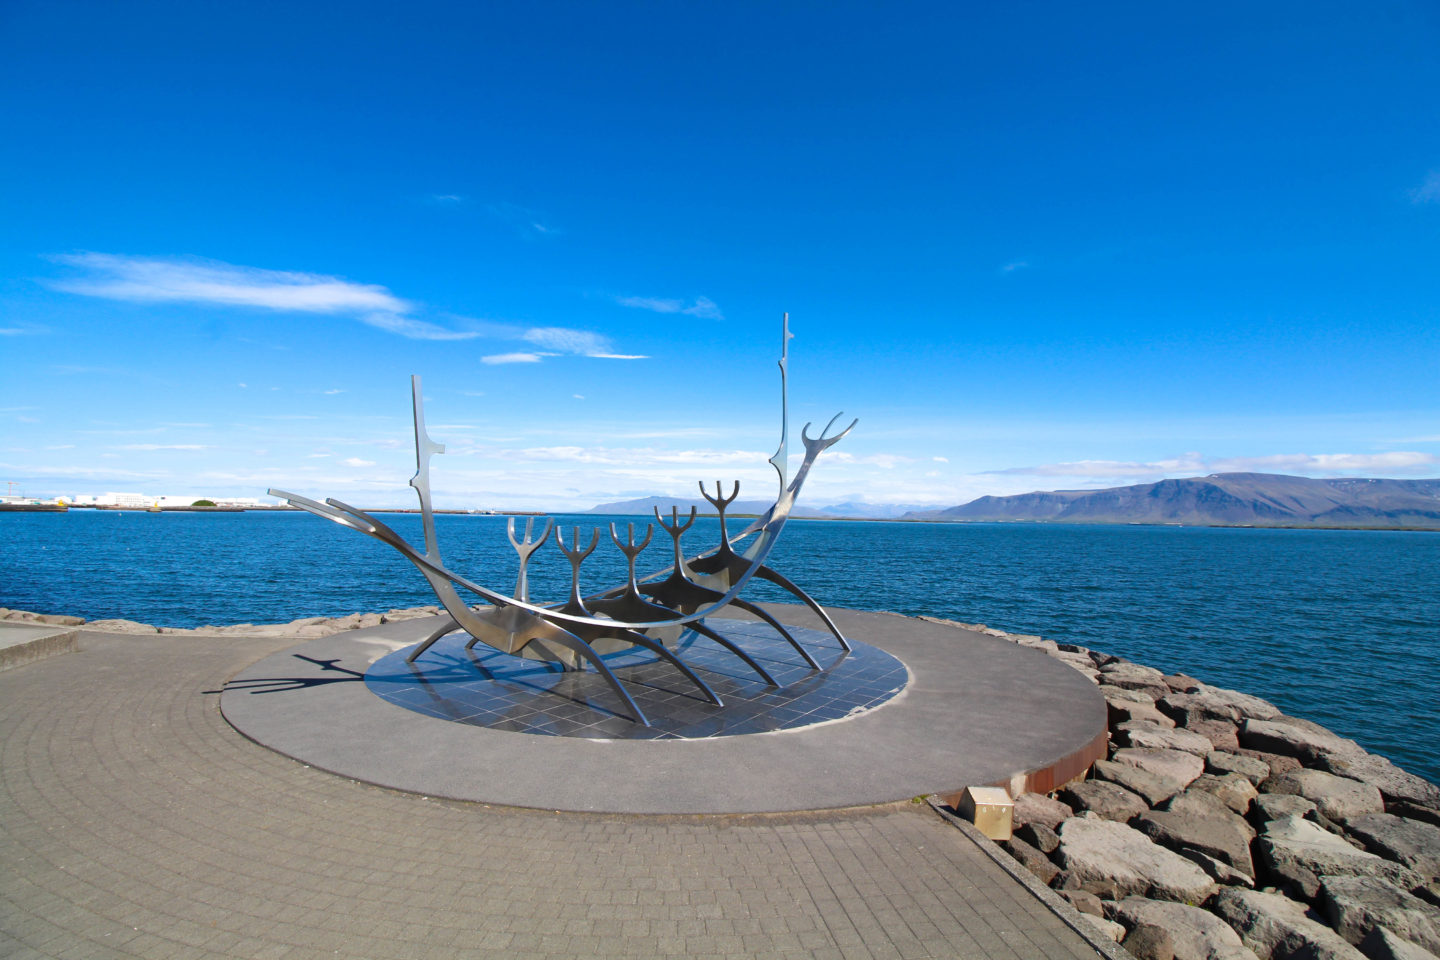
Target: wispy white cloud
{"type": "Point", "coordinates": [190, 280]}
{"type": "Point", "coordinates": [530, 224]}
{"type": "Point", "coordinates": [885, 461]}
{"type": "Point", "coordinates": [159, 279]}
{"type": "Point", "coordinates": [496, 358]}
{"type": "Point", "coordinates": [22, 331]}
{"type": "Point", "coordinates": [583, 342]}
{"type": "Point", "coordinates": [1429, 191]}
{"type": "Point", "coordinates": [701, 307]}
{"type": "Point", "coordinates": [634, 456]}
{"type": "Point", "coordinates": [669, 434]}
{"type": "Point", "coordinates": [1398, 461]}
{"type": "Point", "coordinates": [108, 431]}
{"type": "Point", "coordinates": [1190, 464]}
{"type": "Point", "coordinates": [331, 393]}
{"type": "Point", "coordinates": [76, 370]}
{"type": "Point", "coordinates": [941, 459]}
{"type": "Point", "coordinates": [357, 462]}
{"type": "Point", "coordinates": [413, 328]}
{"type": "Point", "coordinates": [103, 474]}
{"type": "Point", "coordinates": [162, 446]}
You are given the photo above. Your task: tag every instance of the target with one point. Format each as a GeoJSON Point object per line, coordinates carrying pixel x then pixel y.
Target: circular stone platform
{"type": "Point", "coordinates": [976, 710]}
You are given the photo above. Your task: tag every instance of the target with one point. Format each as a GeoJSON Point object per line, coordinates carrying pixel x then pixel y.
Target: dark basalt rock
{"type": "Point", "coordinates": [1307, 742]}
{"type": "Point", "coordinates": [1038, 808]}
{"type": "Point", "coordinates": [1149, 941]}
{"type": "Point", "coordinates": [1221, 762]}
{"type": "Point", "coordinates": [1107, 800]}
{"type": "Point", "coordinates": [1152, 737]}
{"type": "Point", "coordinates": [1338, 798]}
{"type": "Point", "coordinates": [1084, 901]}
{"type": "Point", "coordinates": [1381, 944]}
{"type": "Point", "coordinates": [1217, 870]}
{"type": "Point", "coordinates": [1032, 859]}
{"type": "Point", "coordinates": [1187, 769]}
{"type": "Point", "coordinates": [1175, 764]}
{"type": "Point", "coordinates": [1414, 811]}
{"type": "Point", "coordinates": [1278, 764]}
{"type": "Point", "coordinates": [1394, 784]}
{"type": "Point", "coordinates": [1111, 860]}
{"type": "Point", "coordinates": [1039, 836]}
{"type": "Point", "coordinates": [1299, 852]}
{"type": "Point", "coordinates": [1154, 788]}
{"type": "Point", "coordinates": [1357, 905]}
{"type": "Point", "coordinates": [1222, 734]}
{"type": "Point", "coordinates": [1191, 933]}
{"type": "Point", "coordinates": [1126, 706]}
{"type": "Point", "coordinates": [1274, 806]}
{"type": "Point", "coordinates": [1411, 842]}
{"type": "Point", "coordinates": [1215, 703]}
{"type": "Point", "coordinates": [1227, 837]}
{"type": "Point", "coordinates": [1233, 790]}
{"type": "Point", "coordinates": [1180, 683]}
{"type": "Point", "coordinates": [1278, 927]}
{"type": "Point", "coordinates": [1154, 689]}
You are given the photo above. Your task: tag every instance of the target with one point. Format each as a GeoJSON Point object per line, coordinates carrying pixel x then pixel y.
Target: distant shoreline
{"type": "Point", "coordinates": [751, 516]}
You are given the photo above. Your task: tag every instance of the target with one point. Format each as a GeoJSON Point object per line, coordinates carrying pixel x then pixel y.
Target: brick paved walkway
{"type": "Point", "coordinates": [136, 822]}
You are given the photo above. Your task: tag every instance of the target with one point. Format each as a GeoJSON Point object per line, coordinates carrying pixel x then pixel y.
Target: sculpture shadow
{"type": "Point", "coordinates": [286, 684]}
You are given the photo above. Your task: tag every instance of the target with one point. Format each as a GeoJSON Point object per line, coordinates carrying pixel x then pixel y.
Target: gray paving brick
{"type": "Point", "coordinates": [139, 824]}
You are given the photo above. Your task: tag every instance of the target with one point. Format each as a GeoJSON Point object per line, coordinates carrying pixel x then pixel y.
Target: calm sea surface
{"type": "Point", "coordinates": [1340, 627]}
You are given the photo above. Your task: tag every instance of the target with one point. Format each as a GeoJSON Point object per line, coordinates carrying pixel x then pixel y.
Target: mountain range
{"type": "Point", "coordinates": [1234, 499]}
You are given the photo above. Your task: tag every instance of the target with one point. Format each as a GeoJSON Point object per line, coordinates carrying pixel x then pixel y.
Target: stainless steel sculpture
{"type": "Point", "coordinates": [651, 614]}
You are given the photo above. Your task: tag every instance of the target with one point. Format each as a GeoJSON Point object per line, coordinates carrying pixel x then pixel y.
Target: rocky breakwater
{"type": "Point", "coordinates": [302, 629]}
{"type": "Point", "coordinates": [1221, 829]}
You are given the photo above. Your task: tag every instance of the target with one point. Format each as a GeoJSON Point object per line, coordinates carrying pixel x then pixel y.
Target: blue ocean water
{"type": "Point", "coordinates": [1341, 627]}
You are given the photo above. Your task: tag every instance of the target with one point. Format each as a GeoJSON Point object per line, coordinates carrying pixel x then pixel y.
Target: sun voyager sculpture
{"type": "Point", "coordinates": [649, 613]}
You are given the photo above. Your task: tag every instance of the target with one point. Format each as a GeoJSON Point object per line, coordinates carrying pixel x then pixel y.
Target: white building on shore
{"type": "Point", "coordinates": [144, 501]}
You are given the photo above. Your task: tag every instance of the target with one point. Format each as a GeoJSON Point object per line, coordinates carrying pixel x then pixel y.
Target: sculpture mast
{"type": "Point", "coordinates": [782, 456]}
{"type": "Point", "coordinates": [424, 449]}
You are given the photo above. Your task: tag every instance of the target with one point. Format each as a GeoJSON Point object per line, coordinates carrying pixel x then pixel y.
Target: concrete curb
{"type": "Point", "coordinates": [25, 643]}
{"type": "Point", "coordinates": [1053, 901]}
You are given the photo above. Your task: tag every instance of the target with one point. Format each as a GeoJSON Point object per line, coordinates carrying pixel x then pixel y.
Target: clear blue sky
{"type": "Point", "coordinates": [1030, 245]}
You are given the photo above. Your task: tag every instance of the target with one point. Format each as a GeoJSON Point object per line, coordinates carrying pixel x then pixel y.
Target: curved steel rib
{"type": "Point", "coordinates": [503, 628]}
